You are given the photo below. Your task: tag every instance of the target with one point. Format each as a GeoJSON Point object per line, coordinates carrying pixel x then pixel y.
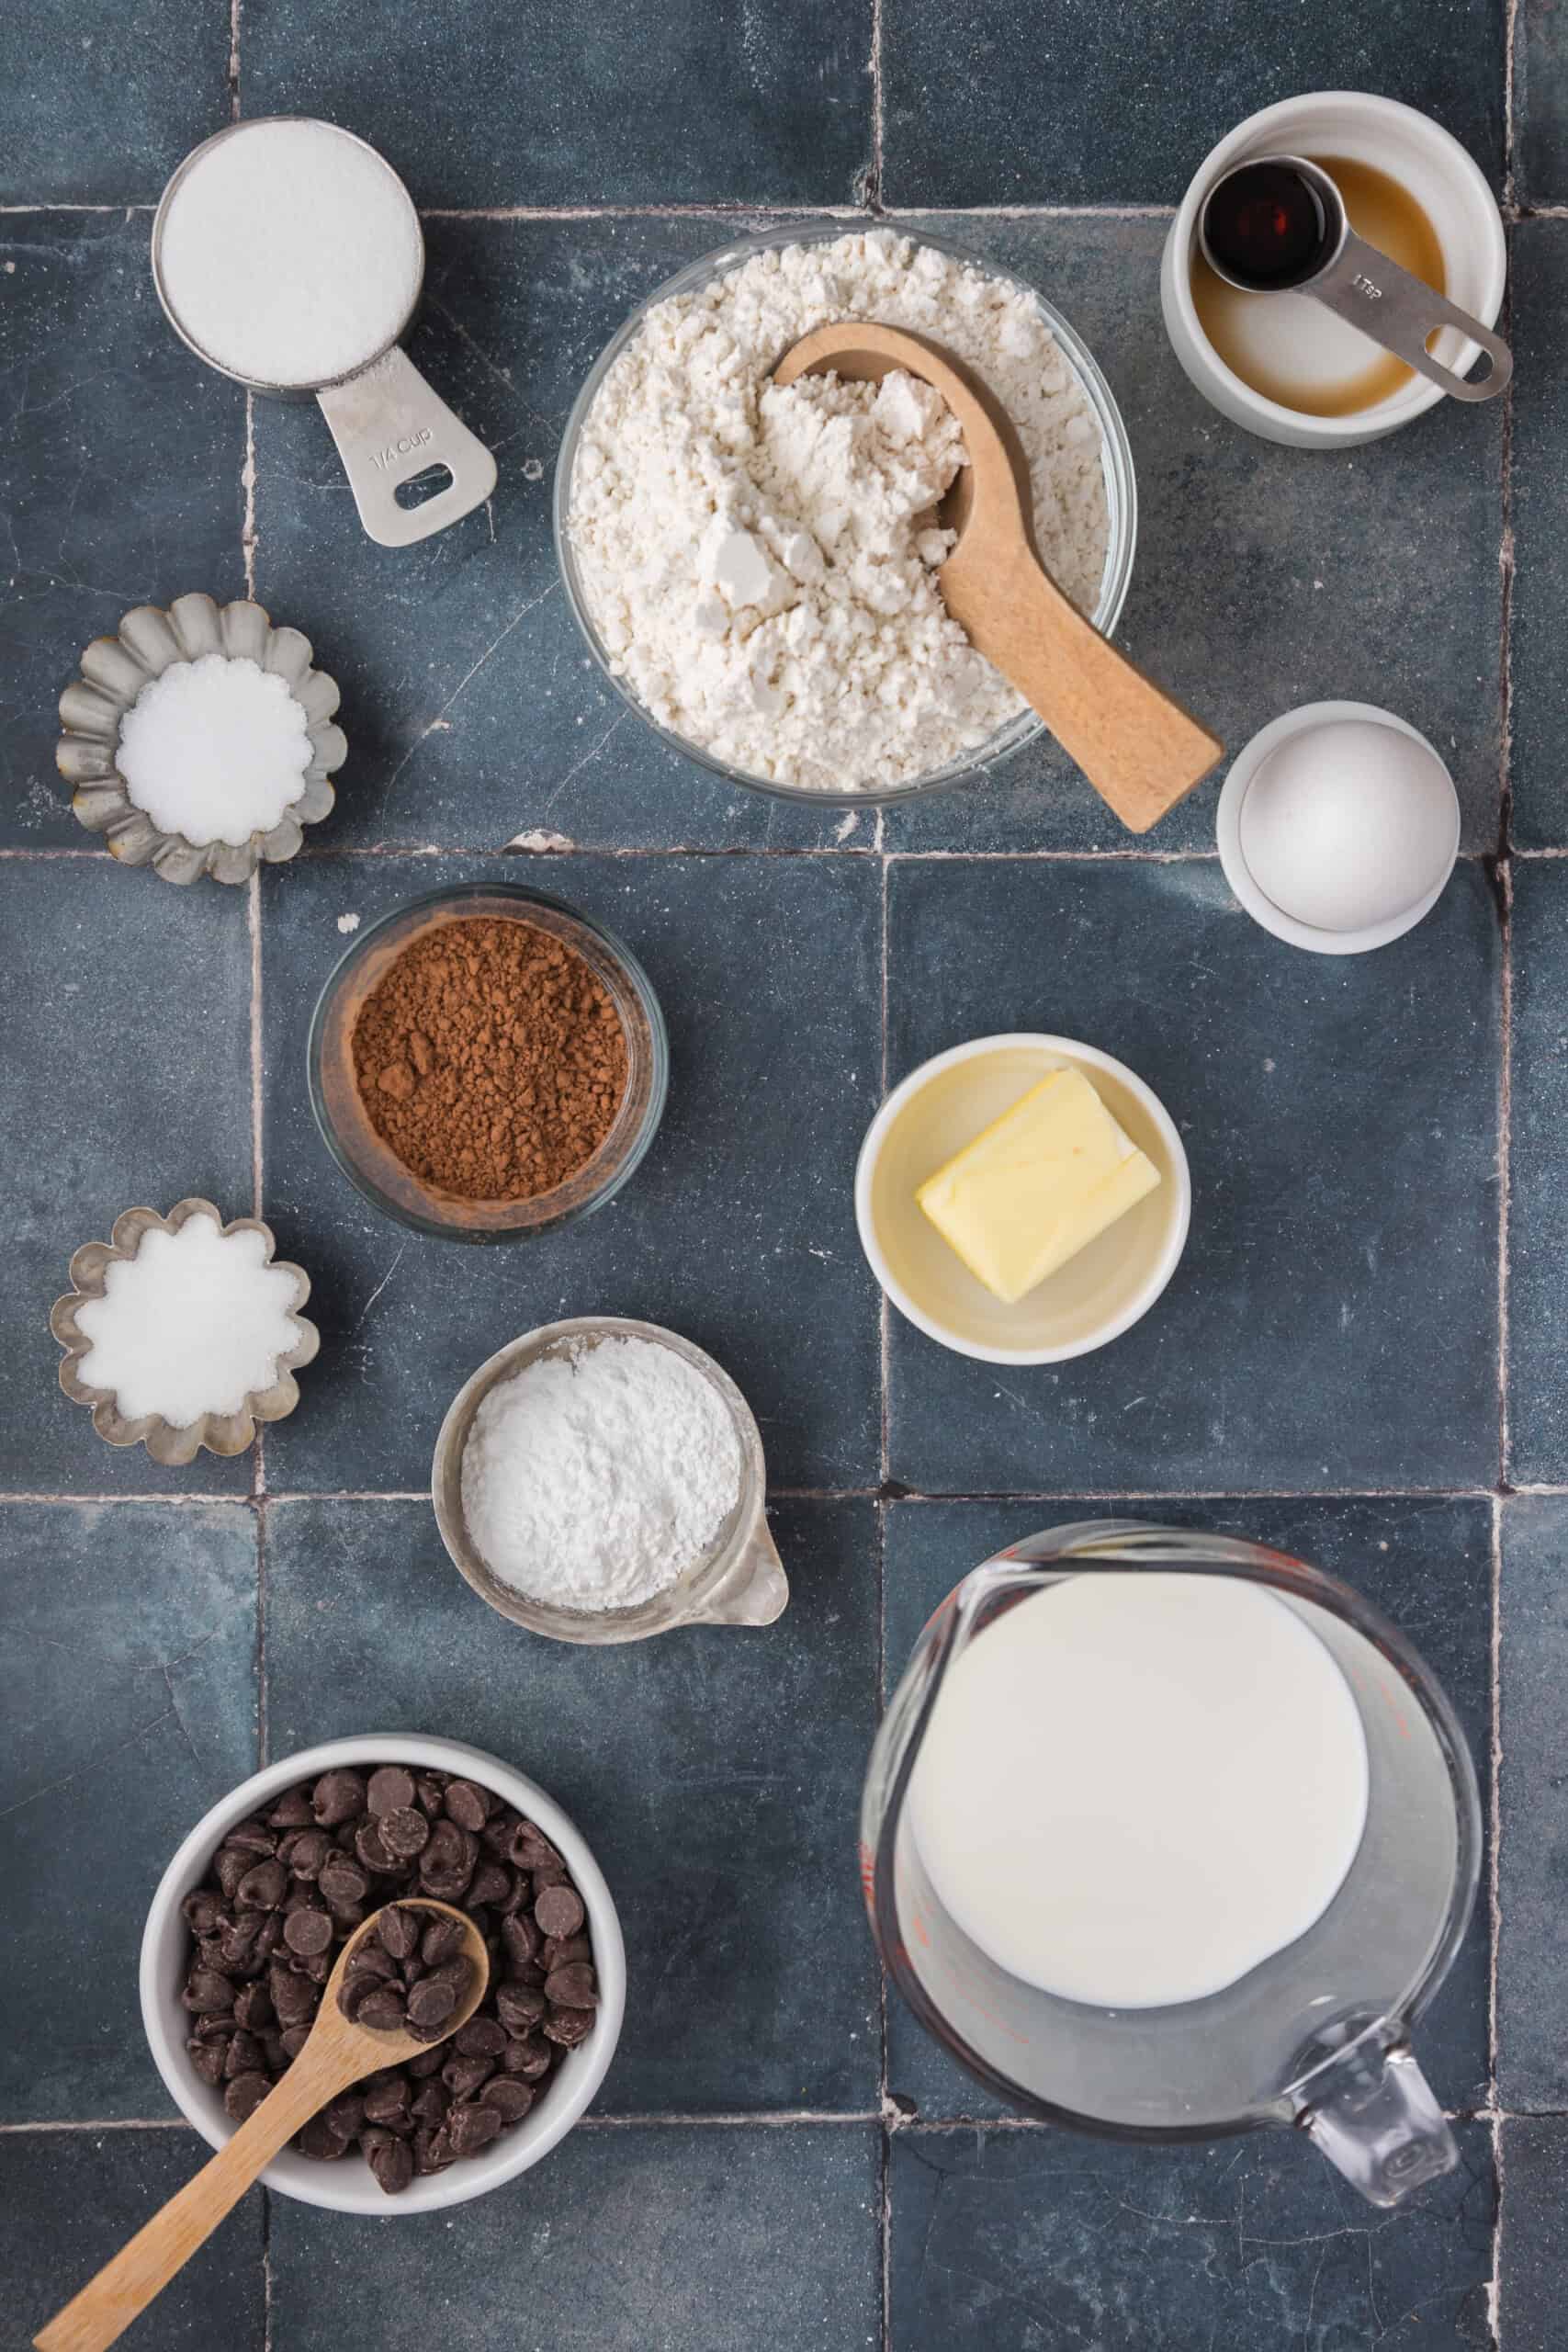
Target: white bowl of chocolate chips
{"type": "Point", "coordinates": [330, 1835]}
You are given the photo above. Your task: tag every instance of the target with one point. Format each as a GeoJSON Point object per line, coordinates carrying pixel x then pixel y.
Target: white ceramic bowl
{"type": "Point", "coordinates": [1085, 1304]}
{"type": "Point", "coordinates": [1446, 183]}
{"type": "Point", "coordinates": [347, 2187]}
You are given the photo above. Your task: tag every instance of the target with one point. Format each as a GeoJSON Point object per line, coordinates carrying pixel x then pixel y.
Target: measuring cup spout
{"type": "Point", "coordinates": [1370, 2111]}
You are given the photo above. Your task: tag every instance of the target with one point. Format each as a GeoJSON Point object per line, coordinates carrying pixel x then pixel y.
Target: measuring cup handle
{"type": "Point", "coordinates": [1400, 312]}
{"type": "Point", "coordinates": [756, 1590]}
{"type": "Point", "coordinates": [1374, 2116]}
{"type": "Point", "coordinates": [388, 426]}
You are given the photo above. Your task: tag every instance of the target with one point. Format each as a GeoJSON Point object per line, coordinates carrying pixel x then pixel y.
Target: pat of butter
{"type": "Point", "coordinates": [1037, 1186]}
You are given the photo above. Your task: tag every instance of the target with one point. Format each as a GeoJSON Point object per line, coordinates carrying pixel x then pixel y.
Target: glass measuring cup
{"type": "Point", "coordinates": [1318, 2033]}
{"type": "Point", "coordinates": [390, 425]}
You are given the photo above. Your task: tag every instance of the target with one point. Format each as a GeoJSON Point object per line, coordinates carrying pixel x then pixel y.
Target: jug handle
{"type": "Point", "coordinates": [756, 1590]}
{"type": "Point", "coordinates": [1372, 2113]}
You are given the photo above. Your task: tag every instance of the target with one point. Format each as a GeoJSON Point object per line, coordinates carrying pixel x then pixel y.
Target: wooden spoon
{"type": "Point", "coordinates": [1140, 749]}
{"type": "Point", "coordinates": [338, 2052]}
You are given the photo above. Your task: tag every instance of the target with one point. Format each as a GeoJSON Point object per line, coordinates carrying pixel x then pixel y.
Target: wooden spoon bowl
{"type": "Point", "coordinates": [340, 2052]}
{"type": "Point", "coordinates": [1141, 750]}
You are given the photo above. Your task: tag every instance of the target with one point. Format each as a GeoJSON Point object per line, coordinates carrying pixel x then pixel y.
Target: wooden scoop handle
{"type": "Point", "coordinates": [106, 2306]}
{"type": "Point", "coordinates": [1141, 750]}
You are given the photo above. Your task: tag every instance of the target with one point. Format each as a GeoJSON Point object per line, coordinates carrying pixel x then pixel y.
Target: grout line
{"type": "Point", "coordinates": [873, 184]}
{"type": "Point", "coordinates": [1494, 2284]}
{"type": "Point", "coordinates": [104, 2123]}
{"type": "Point", "coordinates": [1493, 1802]}
{"type": "Point", "coordinates": [409, 851]}
{"type": "Point", "coordinates": [764, 2118]}
{"type": "Point", "coordinates": [885, 1306]}
{"type": "Point", "coordinates": [1510, 143]}
{"type": "Point", "coordinates": [266, 2268]}
{"type": "Point", "coordinates": [248, 485]}
{"type": "Point", "coordinates": [891, 1493]}
{"type": "Point", "coordinates": [233, 70]}
{"type": "Point", "coordinates": [262, 1726]}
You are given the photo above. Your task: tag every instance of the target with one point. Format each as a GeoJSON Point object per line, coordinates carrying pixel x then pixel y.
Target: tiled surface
{"type": "Point", "coordinates": [1535, 2154]}
{"type": "Point", "coordinates": [701, 2239]}
{"type": "Point", "coordinates": [1541, 102]}
{"type": "Point", "coordinates": [126, 1083]}
{"type": "Point", "coordinates": [1339, 1115]}
{"type": "Point", "coordinates": [1426, 1562]}
{"type": "Point", "coordinates": [1538, 1208]}
{"type": "Point", "coordinates": [1532, 1954]}
{"type": "Point", "coordinates": [124, 1722]}
{"type": "Point", "coordinates": [70, 2199]}
{"type": "Point", "coordinates": [1106, 106]}
{"type": "Point", "coordinates": [1329, 1348]}
{"type": "Point", "coordinates": [721, 1828]}
{"type": "Point", "coordinates": [686, 104]}
{"type": "Point", "coordinates": [1012, 2238]}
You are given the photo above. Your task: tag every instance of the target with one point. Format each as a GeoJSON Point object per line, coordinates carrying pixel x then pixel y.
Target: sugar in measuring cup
{"type": "Point", "coordinates": [287, 254]}
{"type": "Point", "coordinates": [1166, 1835]}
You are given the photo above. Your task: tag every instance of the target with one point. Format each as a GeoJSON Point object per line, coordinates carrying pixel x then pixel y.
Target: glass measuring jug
{"type": "Point", "coordinates": [1316, 2034]}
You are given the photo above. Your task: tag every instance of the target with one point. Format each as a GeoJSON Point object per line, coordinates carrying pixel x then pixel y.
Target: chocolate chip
{"type": "Point", "coordinates": [202, 1911]}
{"type": "Point", "coordinates": [277, 2057]}
{"type": "Point", "coordinates": [207, 1993]}
{"type": "Point", "coordinates": [405, 1832]}
{"type": "Point", "coordinates": [252, 2005]}
{"type": "Point", "coordinates": [382, 2010]}
{"type": "Point", "coordinates": [232, 1866]}
{"type": "Point", "coordinates": [371, 1849]}
{"type": "Point", "coordinates": [467, 1806]}
{"type": "Point", "coordinates": [390, 1787]}
{"type": "Point", "coordinates": [425, 2063]}
{"type": "Point", "coordinates": [568, 2027]}
{"type": "Point", "coordinates": [431, 2003]}
{"type": "Point", "coordinates": [319, 2140]}
{"type": "Point", "coordinates": [246, 2054]}
{"type": "Point", "coordinates": [292, 2040]}
{"type": "Point", "coordinates": [470, 2129]}
{"type": "Point", "coordinates": [430, 1792]}
{"type": "Point", "coordinates": [386, 2098]}
{"type": "Point", "coordinates": [337, 1796]}
{"type": "Point", "coordinates": [343, 1884]}
{"type": "Point", "coordinates": [492, 1883]}
{"type": "Point", "coordinates": [310, 1852]}
{"type": "Point", "coordinates": [292, 1810]}
{"type": "Point", "coordinates": [463, 2076]}
{"type": "Point", "coordinates": [431, 2151]}
{"type": "Point", "coordinates": [207, 2058]}
{"type": "Point", "coordinates": [519, 2007]}
{"type": "Point", "coordinates": [392, 2160]}
{"type": "Point", "coordinates": [520, 1939]}
{"type": "Point", "coordinates": [529, 2057]}
{"type": "Point", "coordinates": [264, 1888]}
{"type": "Point", "coordinates": [558, 1911]}
{"type": "Point", "coordinates": [308, 1933]}
{"type": "Point", "coordinates": [480, 2038]}
{"type": "Point", "coordinates": [400, 1931]}
{"type": "Point", "coordinates": [344, 2114]}
{"type": "Point", "coordinates": [430, 2102]}
{"type": "Point", "coordinates": [251, 1838]}
{"type": "Point", "coordinates": [443, 1939]}
{"type": "Point", "coordinates": [510, 2097]}
{"type": "Point", "coordinates": [245, 2095]}
{"type": "Point", "coordinates": [293, 1997]}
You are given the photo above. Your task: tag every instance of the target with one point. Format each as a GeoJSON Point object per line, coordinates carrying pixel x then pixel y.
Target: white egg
{"type": "Point", "coordinates": [1349, 824]}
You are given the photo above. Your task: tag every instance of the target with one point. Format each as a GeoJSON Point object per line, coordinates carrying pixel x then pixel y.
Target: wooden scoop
{"type": "Point", "coordinates": [338, 2052]}
{"type": "Point", "coordinates": [1140, 749]}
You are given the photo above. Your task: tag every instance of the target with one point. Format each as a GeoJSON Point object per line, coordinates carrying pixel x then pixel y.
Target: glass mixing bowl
{"type": "Point", "coordinates": [368, 1163]}
{"type": "Point", "coordinates": [1121, 498]}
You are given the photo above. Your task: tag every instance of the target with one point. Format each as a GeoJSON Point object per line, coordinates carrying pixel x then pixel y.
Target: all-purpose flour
{"type": "Point", "coordinates": [759, 562]}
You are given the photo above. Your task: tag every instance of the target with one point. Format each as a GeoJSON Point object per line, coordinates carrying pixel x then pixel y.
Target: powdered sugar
{"type": "Point", "coordinates": [593, 1480]}
{"type": "Point", "coordinates": [758, 560]}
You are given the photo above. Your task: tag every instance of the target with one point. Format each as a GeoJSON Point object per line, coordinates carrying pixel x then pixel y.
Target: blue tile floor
{"type": "Point", "coordinates": [1362, 1357]}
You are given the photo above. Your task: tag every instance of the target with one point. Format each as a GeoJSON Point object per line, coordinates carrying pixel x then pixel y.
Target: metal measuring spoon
{"type": "Point", "coordinates": [388, 424]}
{"type": "Point", "coordinates": [1276, 224]}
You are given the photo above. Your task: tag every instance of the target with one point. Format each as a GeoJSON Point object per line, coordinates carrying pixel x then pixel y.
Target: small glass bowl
{"type": "Point", "coordinates": [377, 1171]}
{"type": "Point", "coordinates": [1116, 459]}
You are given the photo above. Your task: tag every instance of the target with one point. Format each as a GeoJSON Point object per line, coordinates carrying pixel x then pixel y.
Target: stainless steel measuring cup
{"type": "Point", "coordinates": [388, 424]}
{"type": "Point", "coordinates": [1350, 278]}
{"type": "Point", "coordinates": [1317, 2034]}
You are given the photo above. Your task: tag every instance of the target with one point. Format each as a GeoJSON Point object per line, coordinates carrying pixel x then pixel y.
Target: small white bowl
{"type": "Point", "coordinates": [347, 2187]}
{"type": "Point", "coordinates": [1084, 1304]}
{"type": "Point", "coordinates": [1425, 159]}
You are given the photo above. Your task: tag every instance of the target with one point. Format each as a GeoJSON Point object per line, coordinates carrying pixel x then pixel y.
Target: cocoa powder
{"type": "Point", "coordinates": [490, 1059]}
